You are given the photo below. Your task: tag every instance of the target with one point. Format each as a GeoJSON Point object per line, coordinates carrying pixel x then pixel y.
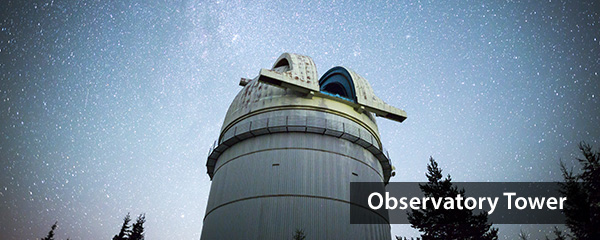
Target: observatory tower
{"type": "Point", "coordinates": [290, 145]}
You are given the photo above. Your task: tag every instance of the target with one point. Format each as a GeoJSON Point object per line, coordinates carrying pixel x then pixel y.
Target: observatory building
{"type": "Point", "coordinates": [290, 145]}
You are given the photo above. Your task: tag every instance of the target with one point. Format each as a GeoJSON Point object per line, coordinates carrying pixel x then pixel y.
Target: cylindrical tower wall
{"type": "Point", "coordinates": [290, 179]}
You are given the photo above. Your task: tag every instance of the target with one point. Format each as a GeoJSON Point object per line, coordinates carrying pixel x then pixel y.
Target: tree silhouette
{"type": "Point", "coordinates": [558, 233]}
{"type": "Point", "coordinates": [523, 235]}
{"type": "Point", "coordinates": [299, 235]}
{"type": "Point", "coordinates": [137, 232]}
{"type": "Point", "coordinates": [582, 208]}
{"type": "Point", "coordinates": [50, 235]}
{"type": "Point", "coordinates": [451, 223]}
{"type": "Point", "coordinates": [124, 233]}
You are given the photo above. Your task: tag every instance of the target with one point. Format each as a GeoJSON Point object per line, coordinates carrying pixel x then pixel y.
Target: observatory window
{"type": "Point", "coordinates": [282, 66]}
{"type": "Point", "coordinates": [338, 82]}
{"type": "Point", "coordinates": [337, 89]}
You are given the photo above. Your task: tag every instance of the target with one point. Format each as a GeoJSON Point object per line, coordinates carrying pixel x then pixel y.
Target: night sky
{"type": "Point", "coordinates": [110, 107]}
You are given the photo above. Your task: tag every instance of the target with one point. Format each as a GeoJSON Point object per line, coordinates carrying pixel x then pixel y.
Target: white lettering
{"type": "Point", "coordinates": [536, 202]}
{"type": "Point", "coordinates": [458, 201]}
{"type": "Point", "coordinates": [521, 206]}
{"type": "Point", "coordinates": [380, 201]}
{"type": "Point", "coordinates": [509, 194]}
{"type": "Point", "coordinates": [437, 204]}
{"type": "Point", "coordinates": [387, 201]}
{"type": "Point", "coordinates": [403, 204]}
{"type": "Point", "coordinates": [449, 204]}
{"type": "Point", "coordinates": [562, 200]}
{"type": "Point", "coordinates": [414, 203]}
{"type": "Point", "coordinates": [493, 204]}
{"type": "Point", "coordinates": [473, 203]}
{"type": "Point", "coordinates": [551, 202]}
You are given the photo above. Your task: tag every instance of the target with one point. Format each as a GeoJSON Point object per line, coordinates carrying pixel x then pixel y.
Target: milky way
{"type": "Point", "coordinates": [110, 107]}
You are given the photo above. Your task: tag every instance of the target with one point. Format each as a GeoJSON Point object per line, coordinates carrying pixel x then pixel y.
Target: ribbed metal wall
{"type": "Point", "coordinates": [267, 185]}
{"type": "Point", "coordinates": [279, 217]}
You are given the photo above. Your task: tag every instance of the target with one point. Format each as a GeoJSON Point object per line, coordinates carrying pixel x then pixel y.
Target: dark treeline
{"type": "Point", "coordinates": [132, 232]}
{"type": "Point", "coordinates": [127, 232]}
{"type": "Point", "coordinates": [582, 208]}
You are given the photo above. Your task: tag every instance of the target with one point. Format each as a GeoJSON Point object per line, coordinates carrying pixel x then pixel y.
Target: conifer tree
{"type": "Point", "coordinates": [559, 235]}
{"type": "Point", "coordinates": [582, 208]}
{"type": "Point", "coordinates": [125, 232]}
{"type": "Point", "coordinates": [50, 235]}
{"type": "Point", "coordinates": [452, 223]}
{"type": "Point", "coordinates": [137, 232]}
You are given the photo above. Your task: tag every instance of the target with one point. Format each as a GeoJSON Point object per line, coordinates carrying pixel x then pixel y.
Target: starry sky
{"type": "Point", "coordinates": [110, 107]}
